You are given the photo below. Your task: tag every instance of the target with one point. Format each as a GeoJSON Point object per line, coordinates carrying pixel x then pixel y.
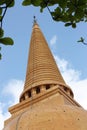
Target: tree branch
{"type": "Point", "coordinates": [5, 7]}
{"type": "Point", "coordinates": [46, 3]}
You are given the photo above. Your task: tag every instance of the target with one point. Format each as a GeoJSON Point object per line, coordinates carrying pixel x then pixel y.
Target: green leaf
{"type": "Point", "coordinates": [36, 2]}
{"type": "Point", "coordinates": [0, 10]}
{"type": "Point", "coordinates": [10, 3]}
{"type": "Point", "coordinates": [73, 25]}
{"type": "Point", "coordinates": [81, 40]}
{"type": "Point", "coordinates": [1, 32]}
{"type": "Point", "coordinates": [0, 18]}
{"type": "Point", "coordinates": [2, 2]}
{"type": "Point", "coordinates": [43, 5]}
{"type": "Point", "coordinates": [79, 13]}
{"type": "Point", "coordinates": [52, 2]}
{"type": "Point", "coordinates": [26, 2]}
{"type": "Point", "coordinates": [58, 11]}
{"type": "Point", "coordinates": [68, 24]}
{"type": "Point", "coordinates": [41, 10]}
{"type": "Point", "coordinates": [62, 3]}
{"type": "Point", "coordinates": [82, 2]}
{"type": "Point", "coordinates": [33, 2]}
{"type": "Point", "coordinates": [6, 41]}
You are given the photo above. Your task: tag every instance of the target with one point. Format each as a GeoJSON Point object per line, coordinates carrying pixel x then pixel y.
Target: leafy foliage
{"type": "Point", "coordinates": [6, 41]}
{"type": "Point", "coordinates": [70, 12]}
{"type": "Point", "coordinates": [4, 5]}
{"type": "Point", "coordinates": [82, 40]}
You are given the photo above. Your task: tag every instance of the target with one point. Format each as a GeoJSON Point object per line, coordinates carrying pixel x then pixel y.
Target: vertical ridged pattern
{"type": "Point", "coordinates": [41, 68]}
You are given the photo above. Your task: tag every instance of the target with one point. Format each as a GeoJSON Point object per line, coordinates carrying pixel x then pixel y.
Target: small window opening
{"type": "Point", "coordinates": [71, 94]}
{"type": "Point", "coordinates": [65, 89]}
{"type": "Point", "coordinates": [47, 86]}
{"type": "Point", "coordinates": [29, 93]}
{"type": "Point", "coordinates": [37, 90]}
{"type": "Point", "coordinates": [23, 98]}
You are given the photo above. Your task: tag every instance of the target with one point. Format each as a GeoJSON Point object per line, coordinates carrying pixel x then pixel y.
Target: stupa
{"type": "Point", "coordinates": [47, 102]}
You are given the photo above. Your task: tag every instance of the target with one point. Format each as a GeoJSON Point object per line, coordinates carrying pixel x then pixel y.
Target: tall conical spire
{"type": "Point", "coordinates": [41, 68]}
{"type": "Point", "coordinates": [46, 102]}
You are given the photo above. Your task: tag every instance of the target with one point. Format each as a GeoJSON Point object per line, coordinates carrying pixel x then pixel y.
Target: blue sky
{"type": "Point", "coordinates": [70, 56]}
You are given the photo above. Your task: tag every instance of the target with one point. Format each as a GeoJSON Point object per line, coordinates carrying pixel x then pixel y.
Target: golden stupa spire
{"type": "Point", "coordinates": [46, 102]}
{"type": "Point", "coordinates": [41, 67]}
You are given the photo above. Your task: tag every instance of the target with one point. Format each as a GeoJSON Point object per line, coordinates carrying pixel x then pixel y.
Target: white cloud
{"type": "Point", "coordinates": [3, 116]}
{"type": "Point", "coordinates": [80, 90]}
{"type": "Point", "coordinates": [12, 90]}
{"type": "Point", "coordinates": [73, 79]}
{"type": "Point", "coordinates": [53, 40]}
{"type": "Point", "coordinates": [68, 72]}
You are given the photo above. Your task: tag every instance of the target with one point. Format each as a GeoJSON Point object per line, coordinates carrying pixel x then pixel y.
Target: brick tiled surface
{"type": "Point", "coordinates": [46, 102]}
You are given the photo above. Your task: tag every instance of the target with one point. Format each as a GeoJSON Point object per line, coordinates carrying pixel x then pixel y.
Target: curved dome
{"type": "Point", "coordinates": [57, 117]}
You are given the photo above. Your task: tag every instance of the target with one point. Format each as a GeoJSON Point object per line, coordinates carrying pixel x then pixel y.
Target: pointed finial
{"type": "Point", "coordinates": [35, 21]}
